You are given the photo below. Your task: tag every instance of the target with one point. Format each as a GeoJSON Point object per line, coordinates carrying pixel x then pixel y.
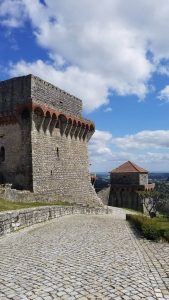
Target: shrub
{"type": "Point", "coordinates": [153, 229]}
{"type": "Point", "coordinates": [166, 235]}
{"type": "Point", "coordinates": [150, 231]}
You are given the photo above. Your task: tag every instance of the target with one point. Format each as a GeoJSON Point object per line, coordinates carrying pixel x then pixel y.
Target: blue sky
{"type": "Point", "coordinates": [114, 56]}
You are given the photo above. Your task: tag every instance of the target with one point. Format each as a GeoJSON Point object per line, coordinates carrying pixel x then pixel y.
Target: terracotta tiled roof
{"type": "Point", "coordinates": [129, 167]}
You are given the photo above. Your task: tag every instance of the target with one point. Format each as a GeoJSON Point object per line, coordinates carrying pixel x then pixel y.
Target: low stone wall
{"type": "Point", "coordinates": [13, 220]}
{"type": "Point", "coordinates": [13, 195]}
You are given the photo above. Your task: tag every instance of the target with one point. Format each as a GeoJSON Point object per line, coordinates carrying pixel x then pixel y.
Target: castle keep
{"type": "Point", "coordinates": [43, 140]}
{"type": "Point", "coordinates": [126, 180]}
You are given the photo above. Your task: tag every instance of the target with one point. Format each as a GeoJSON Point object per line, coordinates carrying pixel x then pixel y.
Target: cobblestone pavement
{"type": "Point", "coordinates": [82, 257]}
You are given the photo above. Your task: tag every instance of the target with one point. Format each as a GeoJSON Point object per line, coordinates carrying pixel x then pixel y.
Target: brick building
{"type": "Point", "coordinates": [125, 181]}
{"type": "Point", "coordinates": [43, 139]}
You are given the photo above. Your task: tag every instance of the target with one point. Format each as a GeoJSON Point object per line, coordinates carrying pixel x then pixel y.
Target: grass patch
{"type": "Point", "coordinates": [132, 211]}
{"type": "Point", "coordinates": [8, 205]}
{"type": "Point", "coordinates": [153, 229]}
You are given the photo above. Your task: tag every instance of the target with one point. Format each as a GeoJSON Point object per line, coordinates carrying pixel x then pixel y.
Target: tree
{"type": "Point", "coordinates": [163, 187]}
{"type": "Point", "coordinates": [153, 201]}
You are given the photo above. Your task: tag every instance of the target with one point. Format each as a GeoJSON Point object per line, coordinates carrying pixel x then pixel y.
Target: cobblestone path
{"type": "Point", "coordinates": [82, 257]}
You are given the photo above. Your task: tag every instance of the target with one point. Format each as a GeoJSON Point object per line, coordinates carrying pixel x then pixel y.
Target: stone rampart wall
{"type": "Point", "coordinates": [44, 153]}
{"type": "Point", "coordinates": [16, 168]}
{"type": "Point", "coordinates": [46, 93]}
{"type": "Point", "coordinates": [14, 91]}
{"type": "Point", "coordinates": [24, 89]}
{"type": "Point", "coordinates": [15, 220]}
{"type": "Point", "coordinates": [129, 178]}
{"type": "Point", "coordinates": [124, 178]}
{"type": "Point", "coordinates": [60, 165]}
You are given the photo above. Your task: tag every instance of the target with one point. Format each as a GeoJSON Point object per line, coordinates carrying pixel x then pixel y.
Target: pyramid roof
{"type": "Point", "coordinates": [129, 167]}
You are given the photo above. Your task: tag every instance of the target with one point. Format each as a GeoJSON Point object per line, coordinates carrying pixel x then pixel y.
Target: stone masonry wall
{"type": "Point", "coordinates": [125, 178]}
{"type": "Point", "coordinates": [143, 179]}
{"type": "Point", "coordinates": [125, 199]}
{"type": "Point", "coordinates": [17, 167]}
{"type": "Point", "coordinates": [45, 93]}
{"type": "Point", "coordinates": [60, 165]}
{"type": "Point", "coordinates": [25, 89]}
{"type": "Point", "coordinates": [14, 91]}
{"type": "Point", "coordinates": [129, 178]}
{"type": "Point", "coordinates": [46, 152]}
{"type": "Point", "coordinates": [14, 220]}
{"type": "Point", "coordinates": [104, 195]}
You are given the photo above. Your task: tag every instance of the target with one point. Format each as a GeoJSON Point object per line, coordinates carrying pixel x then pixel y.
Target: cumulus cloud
{"type": "Point", "coordinates": [147, 148]}
{"type": "Point", "coordinates": [164, 94]}
{"type": "Point", "coordinates": [144, 139]}
{"type": "Point", "coordinates": [12, 13]}
{"type": "Point", "coordinates": [102, 155]}
{"type": "Point", "coordinates": [99, 145]}
{"type": "Point", "coordinates": [101, 43]}
{"type": "Point", "coordinates": [91, 88]}
{"type": "Point", "coordinates": [114, 45]}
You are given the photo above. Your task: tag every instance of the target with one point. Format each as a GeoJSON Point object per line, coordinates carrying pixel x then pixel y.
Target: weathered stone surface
{"type": "Point", "coordinates": [126, 181]}
{"type": "Point", "coordinates": [44, 137]}
{"type": "Point", "coordinates": [83, 257]}
{"type": "Point", "coordinates": [21, 90]}
{"type": "Point", "coordinates": [104, 195]}
{"type": "Point", "coordinates": [14, 220]}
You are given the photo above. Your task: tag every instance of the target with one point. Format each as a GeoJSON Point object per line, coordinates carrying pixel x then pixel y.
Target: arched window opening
{"type": "Point", "coordinates": [2, 154]}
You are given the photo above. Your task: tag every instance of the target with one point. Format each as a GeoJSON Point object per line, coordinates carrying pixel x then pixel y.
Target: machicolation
{"type": "Point", "coordinates": [43, 140]}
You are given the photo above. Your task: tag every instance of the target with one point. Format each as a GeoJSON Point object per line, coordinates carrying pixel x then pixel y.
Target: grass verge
{"type": "Point", "coordinates": [8, 205]}
{"type": "Point", "coordinates": [153, 229]}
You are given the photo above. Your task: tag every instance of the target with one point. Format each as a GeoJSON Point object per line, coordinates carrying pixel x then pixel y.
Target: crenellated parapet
{"type": "Point", "coordinates": [47, 119]}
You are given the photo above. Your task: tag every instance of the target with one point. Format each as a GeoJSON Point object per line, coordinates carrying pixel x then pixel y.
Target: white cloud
{"type": "Point", "coordinates": [143, 139]}
{"type": "Point", "coordinates": [90, 87]}
{"type": "Point", "coordinates": [164, 94]}
{"type": "Point", "coordinates": [99, 145]}
{"type": "Point", "coordinates": [99, 41]}
{"type": "Point", "coordinates": [93, 39]}
{"type": "Point", "coordinates": [116, 45]}
{"type": "Point", "coordinates": [12, 13]}
{"type": "Point", "coordinates": [102, 155]}
{"type": "Point", "coordinates": [140, 148]}
{"type": "Point", "coordinates": [108, 109]}
{"type": "Point", "coordinates": [163, 69]}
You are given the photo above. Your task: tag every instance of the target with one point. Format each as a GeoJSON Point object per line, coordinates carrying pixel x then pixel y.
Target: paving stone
{"type": "Point", "coordinates": [83, 257]}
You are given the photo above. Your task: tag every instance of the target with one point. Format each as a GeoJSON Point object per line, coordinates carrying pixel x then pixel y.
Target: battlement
{"type": "Point", "coordinates": [30, 88]}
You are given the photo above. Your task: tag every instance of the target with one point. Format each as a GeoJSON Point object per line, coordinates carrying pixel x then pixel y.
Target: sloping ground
{"type": "Point", "coordinates": [83, 257]}
{"type": "Point", "coordinates": [8, 205]}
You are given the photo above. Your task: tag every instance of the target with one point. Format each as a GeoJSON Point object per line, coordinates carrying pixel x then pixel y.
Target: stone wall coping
{"type": "Point", "coordinates": [13, 220]}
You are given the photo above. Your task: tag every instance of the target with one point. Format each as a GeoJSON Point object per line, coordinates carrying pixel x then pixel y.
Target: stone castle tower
{"type": "Point", "coordinates": [43, 140]}
{"type": "Point", "coordinates": [125, 181]}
